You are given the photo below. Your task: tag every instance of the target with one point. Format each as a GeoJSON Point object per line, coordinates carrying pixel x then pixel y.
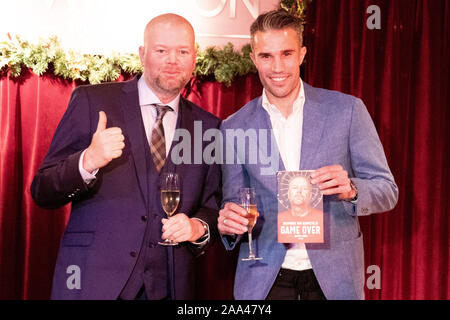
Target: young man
{"type": "Point", "coordinates": [314, 129]}
{"type": "Point", "coordinates": [106, 158]}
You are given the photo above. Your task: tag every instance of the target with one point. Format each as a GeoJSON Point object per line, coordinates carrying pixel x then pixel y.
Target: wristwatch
{"type": "Point", "coordinates": [206, 229]}
{"type": "Point", "coordinates": [355, 198]}
{"type": "Point", "coordinates": [203, 240]}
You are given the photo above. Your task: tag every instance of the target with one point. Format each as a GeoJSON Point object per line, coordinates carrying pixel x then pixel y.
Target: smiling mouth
{"type": "Point", "coordinates": [278, 79]}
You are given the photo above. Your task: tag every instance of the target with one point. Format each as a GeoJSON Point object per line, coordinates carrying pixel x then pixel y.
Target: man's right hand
{"type": "Point", "coordinates": [106, 145]}
{"type": "Point", "coordinates": [231, 219]}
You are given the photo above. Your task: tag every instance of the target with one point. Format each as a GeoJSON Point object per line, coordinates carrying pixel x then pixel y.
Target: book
{"type": "Point", "coordinates": [300, 208]}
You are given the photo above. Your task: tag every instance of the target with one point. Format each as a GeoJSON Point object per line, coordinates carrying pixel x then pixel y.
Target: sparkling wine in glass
{"type": "Point", "coordinates": [170, 198]}
{"type": "Point", "coordinates": [248, 202]}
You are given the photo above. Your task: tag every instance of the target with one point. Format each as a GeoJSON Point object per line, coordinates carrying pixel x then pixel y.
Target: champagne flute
{"type": "Point", "coordinates": [170, 198]}
{"type": "Point", "coordinates": [248, 202]}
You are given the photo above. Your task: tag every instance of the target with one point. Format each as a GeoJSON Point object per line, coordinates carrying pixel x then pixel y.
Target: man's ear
{"type": "Point", "coordinates": [195, 58]}
{"type": "Point", "coordinates": [142, 54]}
{"type": "Point", "coordinates": [252, 56]}
{"type": "Point", "coordinates": [303, 52]}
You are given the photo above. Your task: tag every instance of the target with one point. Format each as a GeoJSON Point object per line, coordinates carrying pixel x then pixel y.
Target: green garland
{"type": "Point", "coordinates": [296, 7]}
{"type": "Point", "coordinates": [48, 56]}
{"type": "Point", "coordinates": [224, 64]}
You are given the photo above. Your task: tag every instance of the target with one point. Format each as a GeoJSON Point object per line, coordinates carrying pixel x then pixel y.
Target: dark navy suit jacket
{"type": "Point", "coordinates": [109, 218]}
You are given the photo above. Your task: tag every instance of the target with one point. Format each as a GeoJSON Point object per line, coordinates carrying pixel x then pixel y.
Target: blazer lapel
{"type": "Point", "coordinates": [135, 130]}
{"type": "Point", "coordinates": [185, 120]}
{"type": "Point", "coordinates": [314, 118]}
{"type": "Point", "coordinates": [261, 121]}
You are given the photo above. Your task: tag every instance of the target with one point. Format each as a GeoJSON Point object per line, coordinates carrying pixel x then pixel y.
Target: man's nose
{"type": "Point", "coordinates": [172, 57]}
{"type": "Point", "coordinates": [277, 64]}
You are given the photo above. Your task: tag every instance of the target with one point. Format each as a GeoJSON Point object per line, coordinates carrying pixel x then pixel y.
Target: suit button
{"type": "Point", "coordinates": [144, 218]}
{"type": "Point", "coordinates": [151, 245]}
{"type": "Point", "coordinates": [133, 254]}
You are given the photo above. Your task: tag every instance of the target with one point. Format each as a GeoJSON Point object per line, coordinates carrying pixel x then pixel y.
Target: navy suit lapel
{"type": "Point", "coordinates": [314, 119]}
{"type": "Point", "coordinates": [135, 131]}
{"type": "Point", "coordinates": [185, 120]}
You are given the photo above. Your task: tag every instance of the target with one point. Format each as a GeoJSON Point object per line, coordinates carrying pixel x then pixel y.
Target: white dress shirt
{"type": "Point", "coordinates": [288, 134]}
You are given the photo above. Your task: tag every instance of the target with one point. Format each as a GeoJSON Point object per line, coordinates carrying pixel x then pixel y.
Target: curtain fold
{"type": "Point", "coordinates": [31, 108]}
{"type": "Point", "coordinates": [401, 72]}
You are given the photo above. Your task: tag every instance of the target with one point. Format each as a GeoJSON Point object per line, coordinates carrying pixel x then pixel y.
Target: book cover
{"type": "Point", "coordinates": [300, 208]}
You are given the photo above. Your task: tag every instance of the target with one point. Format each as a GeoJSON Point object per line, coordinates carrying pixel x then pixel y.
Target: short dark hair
{"type": "Point", "coordinates": [277, 20]}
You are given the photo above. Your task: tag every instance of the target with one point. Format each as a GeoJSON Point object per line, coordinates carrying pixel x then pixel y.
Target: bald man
{"type": "Point", "coordinates": [106, 159]}
{"type": "Point", "coordinates": [299, 195]}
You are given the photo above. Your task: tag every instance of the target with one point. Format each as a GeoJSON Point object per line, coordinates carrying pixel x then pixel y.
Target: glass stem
{"type": "Point", "coordinates": [251, 255]}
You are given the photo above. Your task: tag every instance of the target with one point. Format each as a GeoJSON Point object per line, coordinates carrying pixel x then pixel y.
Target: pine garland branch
{"type": "Point", "coordinates": [296, 8]}
{"type": "Point", "coordinates": [47, 55]}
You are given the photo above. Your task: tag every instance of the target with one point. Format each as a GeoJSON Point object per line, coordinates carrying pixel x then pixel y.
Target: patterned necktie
{"type": "Point", "coordinates": [158, 143]}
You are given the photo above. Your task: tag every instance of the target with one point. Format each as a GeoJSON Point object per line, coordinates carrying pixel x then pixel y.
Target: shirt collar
{"type": "Point", "coordinates": [148, 97]}
{"type": "Point", "coordinates": [298, 103]}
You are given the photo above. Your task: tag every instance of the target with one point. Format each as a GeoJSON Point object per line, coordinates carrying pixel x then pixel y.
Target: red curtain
{"type": "Point", "coordinates": [401, 72]}
{"type": "Point", "coordinates": [31, 108]}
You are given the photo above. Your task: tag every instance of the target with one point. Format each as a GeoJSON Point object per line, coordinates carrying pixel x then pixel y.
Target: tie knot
{"type": "Point", "coordinates": [161, 110]}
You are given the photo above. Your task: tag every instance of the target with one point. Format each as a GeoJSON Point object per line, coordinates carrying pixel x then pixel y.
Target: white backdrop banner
{"type": "Point", "coordinates": [105, 26]}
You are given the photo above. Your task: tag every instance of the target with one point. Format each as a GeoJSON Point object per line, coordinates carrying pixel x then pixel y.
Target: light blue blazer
{"type": "Point", "coordinates": [337, 129]}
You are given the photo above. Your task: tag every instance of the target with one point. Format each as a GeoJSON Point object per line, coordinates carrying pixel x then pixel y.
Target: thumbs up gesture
{"type": "Point", "coordinates": [106, 145]}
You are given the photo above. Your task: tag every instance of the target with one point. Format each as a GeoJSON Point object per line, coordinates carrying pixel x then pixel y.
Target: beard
{"type": "Point", "coordinates": [171, 86]}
